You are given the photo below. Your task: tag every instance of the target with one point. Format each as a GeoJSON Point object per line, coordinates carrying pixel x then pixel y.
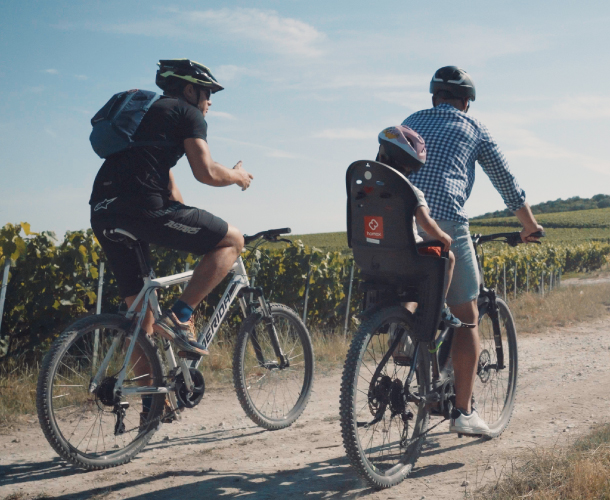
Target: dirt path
{"type": "Point", "coordinates": [216, 452]}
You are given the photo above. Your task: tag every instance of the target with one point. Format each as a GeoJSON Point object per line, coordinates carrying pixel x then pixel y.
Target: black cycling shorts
{"type": "Point", "coordinates": [175, 226]}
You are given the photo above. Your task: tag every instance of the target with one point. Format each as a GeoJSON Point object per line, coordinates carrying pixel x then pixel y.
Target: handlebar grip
{"type": "Point", "coordinates": [538, 234]}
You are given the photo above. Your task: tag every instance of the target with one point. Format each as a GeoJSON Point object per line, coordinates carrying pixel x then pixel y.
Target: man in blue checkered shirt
{"type": "Point", "coordinates": [454, 142]}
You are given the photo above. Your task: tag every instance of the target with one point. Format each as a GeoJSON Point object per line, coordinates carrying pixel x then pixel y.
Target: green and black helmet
{"type": "Point", "coordinates": [173, 71]}
{"type": "Point", "coordinates": [454, 80]}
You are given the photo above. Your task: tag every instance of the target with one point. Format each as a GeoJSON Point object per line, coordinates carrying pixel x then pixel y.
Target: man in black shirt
{"type": "Point", "coordinates": [135, 190]}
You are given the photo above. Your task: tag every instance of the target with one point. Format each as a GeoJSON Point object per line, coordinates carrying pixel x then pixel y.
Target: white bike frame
{"type": "Point", "coordinates": [148, 296]}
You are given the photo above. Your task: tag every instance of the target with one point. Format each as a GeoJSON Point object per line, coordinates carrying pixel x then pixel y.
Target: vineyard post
{"type": "Point", "coordinates": [515, 280]}
{"type": "Point", "coordinates": [542, 284]}
{"type": "Point", "coordinates": [504, 274]}
{"type": "Point", "coordinates": [559, 276]}
{"type": "Point", "coordinates": [552, 273]}
{"type": "Point", "coordinates": [98, 310]}
{"type": "Point", "coordinates": [527, 277]}
{"type": "Point", "coordinates": [3, 292]}
{"type": "Point", "coordinates": [349, 296]}
{"type": "Point", "coordinates": [306, 293]}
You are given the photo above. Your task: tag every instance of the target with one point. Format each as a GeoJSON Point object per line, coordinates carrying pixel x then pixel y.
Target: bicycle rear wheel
{"type": "Point", "coordinates": [495, 386]}
{"type": "Point", "coordinates": [273, 396]}
{"type": "Point", "coordinates": [98, 430]}
{"type": "Point", "coordinates": [382, 432]}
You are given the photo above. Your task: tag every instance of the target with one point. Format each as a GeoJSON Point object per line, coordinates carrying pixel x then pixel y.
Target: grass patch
{"type": "Point", "coordinates": [581, 471]}
{"type": "Point", "coordinates": [17, 392]}
{"type": "Point", "coordinates": [563, 306]}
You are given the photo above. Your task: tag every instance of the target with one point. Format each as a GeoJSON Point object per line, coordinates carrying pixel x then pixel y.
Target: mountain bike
{"type": "Point", "coordinates": [393, 383]}
{"type": "Point", "coordinates": [104, 390]}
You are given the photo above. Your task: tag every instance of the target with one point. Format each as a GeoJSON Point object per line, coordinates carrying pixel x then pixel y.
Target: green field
{"type": "Point", "coordinates": [565, 227]}
{"type": "Point", "coordinates": [597, 218]}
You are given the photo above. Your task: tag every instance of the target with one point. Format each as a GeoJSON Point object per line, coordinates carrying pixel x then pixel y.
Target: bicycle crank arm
{"type": "Point", "coordinates": [490, 367]}
{"type": "Point", "coordinates": [145, 390]}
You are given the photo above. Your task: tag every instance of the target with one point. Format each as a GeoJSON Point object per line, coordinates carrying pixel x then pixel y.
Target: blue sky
{"type": "Point", "coordinates": [309, 85]}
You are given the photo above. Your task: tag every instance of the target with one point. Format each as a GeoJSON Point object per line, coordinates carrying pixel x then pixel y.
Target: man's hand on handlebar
{"type": "Point", "coordinates": [244, 178]}
{"type": "Point", "coordinates": [527, 234]}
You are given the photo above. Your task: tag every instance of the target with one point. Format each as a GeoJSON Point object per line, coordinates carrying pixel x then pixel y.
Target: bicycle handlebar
{"type": "Point", "coordinates": [513, 238]}
{"type": "Point", "coordinates": [270, 235]}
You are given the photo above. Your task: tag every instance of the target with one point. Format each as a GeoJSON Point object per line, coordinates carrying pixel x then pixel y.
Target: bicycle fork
{"type": "Point", "coordinates": [265, 311]}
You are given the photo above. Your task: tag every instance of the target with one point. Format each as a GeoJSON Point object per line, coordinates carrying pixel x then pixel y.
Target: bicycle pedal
{"type": "Point", "coordinates": [460, 435]}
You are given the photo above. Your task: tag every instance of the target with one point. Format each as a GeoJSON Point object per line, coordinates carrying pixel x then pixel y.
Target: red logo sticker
{"type": "Point", "coordinates": [373, 227]}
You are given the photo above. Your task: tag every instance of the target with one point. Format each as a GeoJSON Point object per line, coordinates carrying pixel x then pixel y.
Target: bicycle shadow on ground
{"type": "Point", "coordinates": [18, 473]}
{"type": "Point", "coordinates": [433, 445]}
{"type": "Point", "coordinates": [204, 438]}
{"type": "Point", "coordinates": [27, 472]}
{"type": "Point", "coordinates": [328, 479]}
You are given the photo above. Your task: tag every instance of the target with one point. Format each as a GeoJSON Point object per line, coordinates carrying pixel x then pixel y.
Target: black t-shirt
{"type": "Point", "coordinates": [140, 176]}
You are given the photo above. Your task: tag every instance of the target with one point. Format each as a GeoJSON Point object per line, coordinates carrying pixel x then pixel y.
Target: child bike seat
{"type": "Point", "coordinates": [381, 204]}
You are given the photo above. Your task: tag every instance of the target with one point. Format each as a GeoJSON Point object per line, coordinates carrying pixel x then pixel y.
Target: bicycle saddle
{"type": "Point", "coordinates": [118, 235]}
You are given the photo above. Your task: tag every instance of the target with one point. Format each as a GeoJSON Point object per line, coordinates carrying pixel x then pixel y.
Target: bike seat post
{"type": "Point", "coordinates": [145, 268]}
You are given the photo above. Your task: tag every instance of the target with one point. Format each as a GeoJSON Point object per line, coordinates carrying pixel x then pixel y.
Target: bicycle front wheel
{"type": "Point", "coordinates": [383, 426]}
{"type": "Point", "coordinates": [495, 386]}
{"type": "Point", "coordinates": [273, 394]}
{"type": "Point", "coordinates": [104, 428]}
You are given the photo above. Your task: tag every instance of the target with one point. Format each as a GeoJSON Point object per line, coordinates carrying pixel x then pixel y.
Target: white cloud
{"type": "Point", "coordinates": [524, 143]}
{"type": "Point", "coordinates": [230, 72]}
{"type": "Point", "coordinates": [276, 153]}
{"type": "Point", "coordinates": [583, 107]}
{"type": "Point", "coordinates": [81, 77]}
{"type": "Point", "coordinates": [346, 133]}
{"type": "Point", "coordinates": [51, 71]}
{"type": "Point", "coordinates": [410, 100]}
{"type": "Point", "coordinates": [50, 132]}
{"type": "Point", "coordinates": [262, 29]}
{"type": "Point", "coordinates": [269, 152]}
{"type": "Point", "coordinates": [221, 115]}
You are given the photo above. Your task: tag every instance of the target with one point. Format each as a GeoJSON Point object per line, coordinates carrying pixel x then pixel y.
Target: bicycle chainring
{"type": "Point", "coordinates": [192, 399]}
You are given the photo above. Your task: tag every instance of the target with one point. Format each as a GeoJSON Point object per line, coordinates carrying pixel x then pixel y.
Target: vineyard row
{"type": "Point", "coordinates": [48, 285]}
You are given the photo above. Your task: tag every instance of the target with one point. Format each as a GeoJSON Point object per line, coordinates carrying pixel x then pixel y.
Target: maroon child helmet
{"type": "Point", "coordinates": [404, 147]}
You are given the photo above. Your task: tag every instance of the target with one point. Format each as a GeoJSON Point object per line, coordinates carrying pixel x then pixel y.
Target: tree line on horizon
{"type": "Point", "coordinates": [558, 205]}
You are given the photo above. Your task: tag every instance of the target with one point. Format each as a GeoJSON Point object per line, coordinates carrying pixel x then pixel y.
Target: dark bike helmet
{"type": "Point", "coordinates": [187, 70]}
{"type": "Point", "coordinates": [454, 80]}
{"type": "Point", "coordinates": [404, 147]}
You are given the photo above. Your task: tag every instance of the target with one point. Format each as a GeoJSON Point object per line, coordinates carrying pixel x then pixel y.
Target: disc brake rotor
{"type": "Point", "coordinates": [484, 370]}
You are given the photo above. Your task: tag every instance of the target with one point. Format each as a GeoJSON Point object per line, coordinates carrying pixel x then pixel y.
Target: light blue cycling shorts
{"type": "Point", "coordinates": [465, 283]}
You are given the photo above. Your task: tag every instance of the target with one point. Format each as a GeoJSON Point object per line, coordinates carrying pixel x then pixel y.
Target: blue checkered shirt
{"type": "Point", "coordinates": [454, 141]}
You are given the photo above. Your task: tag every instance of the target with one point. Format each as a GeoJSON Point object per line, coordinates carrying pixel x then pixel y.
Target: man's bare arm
{"type": "Point", "coordinates": [208, 171]}
{"type": "Point", "coordinates": [528, 221]}
{"type": "Point", "coordinates": [174, 192]}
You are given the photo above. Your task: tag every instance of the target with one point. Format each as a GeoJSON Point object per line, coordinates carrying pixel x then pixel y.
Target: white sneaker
{"type": "Point", "coordinates": [469, 424]}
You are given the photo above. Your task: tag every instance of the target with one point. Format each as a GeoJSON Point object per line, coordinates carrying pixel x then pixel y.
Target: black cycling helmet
{"type": "Point", "coordinates": [454, 80]}
{"type": "Point", "coordinates": [188, 71]}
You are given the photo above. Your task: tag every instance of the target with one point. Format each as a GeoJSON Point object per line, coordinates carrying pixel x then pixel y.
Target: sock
{"type": "Point", "coordinates": [465, 413]}
{"type": "Point", "coordinates": [182, 311]}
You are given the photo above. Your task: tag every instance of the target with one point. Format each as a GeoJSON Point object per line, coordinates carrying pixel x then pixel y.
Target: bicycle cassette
{"type": "Point", "coordinates": [190, 399]}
